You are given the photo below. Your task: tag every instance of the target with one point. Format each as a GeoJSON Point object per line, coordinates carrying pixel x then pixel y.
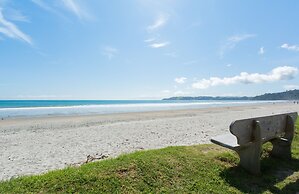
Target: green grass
{"type": "Point", "coordinates": [183, 169]}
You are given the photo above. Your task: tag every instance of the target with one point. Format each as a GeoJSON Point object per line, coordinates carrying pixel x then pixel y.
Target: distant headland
{"type": "Point", "coordinates": [287, 95]}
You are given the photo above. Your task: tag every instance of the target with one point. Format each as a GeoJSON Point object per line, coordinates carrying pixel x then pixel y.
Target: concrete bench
{"type": "Point", "coordinates": [247, 136]}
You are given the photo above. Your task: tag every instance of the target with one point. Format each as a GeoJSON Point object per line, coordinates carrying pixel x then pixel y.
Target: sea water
{"type": "Point", "coordinates": [38, 108]}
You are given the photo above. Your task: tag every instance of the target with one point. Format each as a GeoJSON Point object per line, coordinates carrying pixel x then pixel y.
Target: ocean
{"type": "Point", "coordinates": [41, 108]}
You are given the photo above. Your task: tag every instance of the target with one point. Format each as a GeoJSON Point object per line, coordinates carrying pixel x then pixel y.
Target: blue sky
{"type": "Point", "coordinates": [142, 49]}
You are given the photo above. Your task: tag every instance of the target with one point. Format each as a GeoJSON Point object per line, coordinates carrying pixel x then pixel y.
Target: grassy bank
{"type": "Point", "coordinates": [200, 168]}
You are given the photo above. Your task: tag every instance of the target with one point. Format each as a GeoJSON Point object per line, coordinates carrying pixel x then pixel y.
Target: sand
{"type": "Point", "coordinates": [37, 145]}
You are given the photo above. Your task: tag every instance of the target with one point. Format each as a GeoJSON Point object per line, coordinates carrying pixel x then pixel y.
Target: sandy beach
{"type": "Point", "coordinates": [37, 145]}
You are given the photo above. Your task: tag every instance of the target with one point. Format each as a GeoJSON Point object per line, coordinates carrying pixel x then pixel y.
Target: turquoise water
{"type": "Point", "coordinates": [38, 108]}
{"type": "Point", "coordinates": [62, 103]}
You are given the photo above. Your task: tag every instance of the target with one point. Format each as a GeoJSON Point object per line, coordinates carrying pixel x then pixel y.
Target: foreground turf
{"type": "Point", "coordinates": [199, 169]}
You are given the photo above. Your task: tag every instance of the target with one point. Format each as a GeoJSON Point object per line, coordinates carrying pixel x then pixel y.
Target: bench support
{"type": "Point", "coordinates": [248, 135]}
{"type": "Point", "coordinates": [282, 146]}
{"type": "Point", "coordinates": [250, 155]}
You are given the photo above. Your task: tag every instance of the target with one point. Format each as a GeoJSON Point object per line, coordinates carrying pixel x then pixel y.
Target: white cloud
{"type": "Point", "coordinates": [150, 40]}
{"type": "Point", "coordinates": [155, 41]}
{"type": "Point", "coordinates": [43, 5]}
{"type": "Point", "coordinates": [232, 41]}
{"type": "Point", "coordinates": [261, 51]}
{"type": "Point", "coordinates": [239, 38]}
{"type": "Point", "coordinates": [69, 5]}
{"type": "Point", "coordinates": [291, 87]}
{"type": "Point", "coordinates": [159, 44]}
{"type": "Point", "coordinates": [109, 52]}
{"type": "Point", "coordinates": [180, 80]}
{"type": "Point", "coordinates": [160, 22]}
{"type": "Point", "coordinates": [279, 73]}
{"type": "Point", "coordinates": [10, 30]}
{"type": "Point", "coordinates": [74, 7]}
{"type": "Point", "coordinates": [229, 65]}
{"type": "Point", "coordinates": [290, 47]}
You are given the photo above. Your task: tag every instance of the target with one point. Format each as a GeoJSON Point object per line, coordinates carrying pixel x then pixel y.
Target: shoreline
{"type": "Point", "coordinates": [103, 109]}
{"type": "Point", "coordinates": [37, 145]}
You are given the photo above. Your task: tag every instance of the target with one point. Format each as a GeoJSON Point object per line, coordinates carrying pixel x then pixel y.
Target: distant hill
{"type": "Point", "coordinates": [287, 95]}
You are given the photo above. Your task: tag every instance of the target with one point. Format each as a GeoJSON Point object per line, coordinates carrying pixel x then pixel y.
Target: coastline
{"type": "Point", "coordinates": [36, 145]}
{"type": "Point", "coordinates": [30, 109]}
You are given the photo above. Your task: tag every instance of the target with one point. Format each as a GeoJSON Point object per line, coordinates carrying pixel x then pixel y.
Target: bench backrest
{"type": "Point", "coordinates": [271, 127]}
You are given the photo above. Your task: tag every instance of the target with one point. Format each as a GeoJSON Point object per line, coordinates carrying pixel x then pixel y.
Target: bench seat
{"type": "Point", "coordinates": [231, 142]}
{"type": "Point", "coordinates": [227, 140]}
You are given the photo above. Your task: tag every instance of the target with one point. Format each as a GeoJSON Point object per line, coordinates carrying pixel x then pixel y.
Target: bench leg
{"type": "Point", "coordinates": [281, 149]}
{"type": "Point", "coordinates": [250, 158]}
{"type": "Point", "coordinates": [250, 155]}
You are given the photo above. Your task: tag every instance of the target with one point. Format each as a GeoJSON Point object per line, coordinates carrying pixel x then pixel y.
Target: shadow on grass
{"type": "Point", "coordinates": [273, 171]}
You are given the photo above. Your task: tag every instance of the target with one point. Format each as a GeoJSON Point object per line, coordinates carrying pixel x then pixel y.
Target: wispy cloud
{"type": "Point", "coordinates": [44, 6]}
{"type": "Point", "coordinates": [159, 44]}
{"type": "Point", "coordinates": [291, 87]}
{"type": "Point", "coordinates": [180, 80]}
{"type": "Point", "coordinates": [279, 73]}
{"type": "Point", "coordinates": [290, 47]}
{"type": "Point", "coordinates": [232, 42]}
{"type": "Point", "coordinates": [155, 41]}
{"type": "Point", "coordinates": [16, 15]}
{"type": "Point", "coordinates": [109, 52]}
{"type": "Point", "coordinates": [159, 22]}
{"type": "Point", "coordinates": [10, 30]}
{"type": "Point", "coordinates": [70, 5]}
{"type": "Point", "coordinates": [150, 40]}
{"type": "Point", "coordinates": [75, 8]}
{"type": "Point", "coordinates": [261, 51]}
{"type": "Point", "coordinates": [239, 38]}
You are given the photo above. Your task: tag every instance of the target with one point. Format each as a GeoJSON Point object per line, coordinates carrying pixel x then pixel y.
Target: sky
{"type": "Point", "coordinates": [147, 49]}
